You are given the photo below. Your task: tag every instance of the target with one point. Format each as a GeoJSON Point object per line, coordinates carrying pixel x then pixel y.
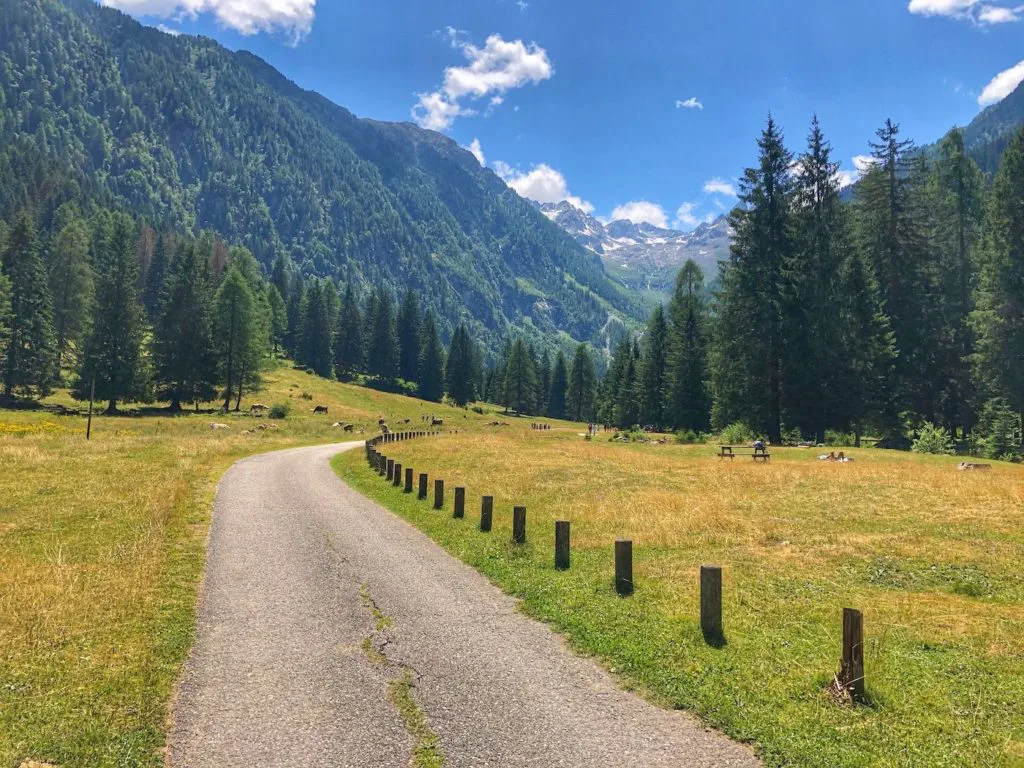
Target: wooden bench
{"type": "Point", "coordinates": [732, 451]}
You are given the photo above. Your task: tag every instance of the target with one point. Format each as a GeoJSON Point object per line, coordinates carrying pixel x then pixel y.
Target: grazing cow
{"type": "Point", "coordinates": [966, 466]}
{"type": "Point", "coordinates": [349, 427]}
{"type": "Point", "coordinates": [258, 409]}
{"type": "Point", "coordinates": [437, 422]}
{"type": "Point", "coordinates": [320, 409]}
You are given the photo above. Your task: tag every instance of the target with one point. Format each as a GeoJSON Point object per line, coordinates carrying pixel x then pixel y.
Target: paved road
{"type": "Point", "coordinates": [279, 675]}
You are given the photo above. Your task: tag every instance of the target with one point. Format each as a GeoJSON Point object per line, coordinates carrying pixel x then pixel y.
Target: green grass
{"type": "Point", "coordinates": [932, 556]}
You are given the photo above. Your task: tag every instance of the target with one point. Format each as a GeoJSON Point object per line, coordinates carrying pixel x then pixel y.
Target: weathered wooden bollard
{"type": "Point", "coordinates": [711, 605]}
{"type": "Point", "coordinates": [396, 478]}
{"type": "Point", "coordinates": [851, 669]}
{"type": "Point", "coordinates": [486, 513]}
{"type": "Point", "coordinates": [438, 494]}
{"type": "Point", "coordinates": [422, 494]}
{"type": "Point", "coordinates": [562, 545]}
{"type": "Point", "coordinates": [408, 479]}
{"type": "Point", "coordinates": [382, 463]}
{"type": "Point", "coordinates": [519, 525]}
{"type": "Point", "coordinates": [624, 567]}
{"type": "Point", "coordinates": [460, 503]}
{"type": "Point", "coordinates": [390, 472]}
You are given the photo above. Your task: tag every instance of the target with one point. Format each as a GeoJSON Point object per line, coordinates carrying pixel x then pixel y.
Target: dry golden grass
{"type": "Point", "coordinates": [931, 555]}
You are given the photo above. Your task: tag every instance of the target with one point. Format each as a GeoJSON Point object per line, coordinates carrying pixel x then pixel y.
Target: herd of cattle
{"type": "Point", "coordinates": [259, 410]}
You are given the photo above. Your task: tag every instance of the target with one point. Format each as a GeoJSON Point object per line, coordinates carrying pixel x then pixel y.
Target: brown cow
{"type": "Point", "coordinates": [258, 409]}
{"type": "Point", "coordinates": [320, 409]}
{"type": "Point", "coordinates": [437, 422]}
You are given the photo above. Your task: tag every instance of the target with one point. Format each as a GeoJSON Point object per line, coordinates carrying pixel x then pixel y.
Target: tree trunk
{"type": "Point", "coordinates": [112, 407]}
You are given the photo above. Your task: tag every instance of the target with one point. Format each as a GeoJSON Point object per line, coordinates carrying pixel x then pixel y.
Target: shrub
{"type": "Point", "coordinates": [279, 411]}
{"type": "Point", "coordinates": [477, 409]}
{"type": "Point", "coordinates": [934, 440]}
{"type": "Point", "coordinates": [998, 431]}
{"type": "Point", "coordinates": [792, 436]}
{"type": "Point", "coordinates": [834, 437]}
{"type": "Point", "coordinates": [306, 396]}
{"type": "Point", "coordinates": [688, 437]}
{"type": "Point", "coordinates": [737, 433]}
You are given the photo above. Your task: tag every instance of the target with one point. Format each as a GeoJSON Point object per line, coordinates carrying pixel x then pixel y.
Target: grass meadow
{"type": "Point", "coordinates": [102, 550]}
{"type": "Point", "coordinates": [932, 557]}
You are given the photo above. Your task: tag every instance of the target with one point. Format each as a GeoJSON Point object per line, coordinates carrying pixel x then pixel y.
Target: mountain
{"type": "Point", "coordinates": [645, 257]}
{"type": "Point", "coordinates": [98, 109]}
{"type": "Point", "coordinates": [988, 134]}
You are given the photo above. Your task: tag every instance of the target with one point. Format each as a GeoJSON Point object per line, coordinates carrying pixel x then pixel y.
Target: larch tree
{"type": "Point", "coordinates": [235, 331]}
{"type": "Point", "coordinates": [71, 286]}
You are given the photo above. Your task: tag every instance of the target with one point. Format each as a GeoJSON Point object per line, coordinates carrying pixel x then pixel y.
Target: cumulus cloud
{"type": "Point", "coordinates": [941, 7]}
{"type": "Point", "coordinates": [974, 11]}
{"type": "Point", "coordinates": [691, 103]}
{"type": "Point", "coordinates": [993, 14]}
{"type": "Point", "coordinates": [294, 17]}
{"type": "Point", "coordinates": [687, 217]}
{"type": "Point", "coordinates": [477, 151]}
{"type": "Point", "coordinates": [168, 30]}
{"type": "Point", "coordinates": [1002, 85]}
{"type": "Point", "coordinates": [499, 66]}
{"type": "Point", "coordinates": [718, 186]}
{"type": "Point", "coordinates": [541, 183]}
{"type": "Point", "coordinates": [640, 211]}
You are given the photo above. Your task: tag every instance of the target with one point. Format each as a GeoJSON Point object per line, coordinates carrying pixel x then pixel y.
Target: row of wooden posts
{"type": "Point", "coordinates": [851, 671]}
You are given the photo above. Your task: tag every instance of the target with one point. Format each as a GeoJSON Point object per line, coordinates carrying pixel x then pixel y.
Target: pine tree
{"type": "Point", "coordinates": [748, 350]}
{"type": "Point", "coordinates": [29, 356]}
{"type": "Point", "coordinates": [654, 370]}
{"type": "Point", "coordinates": [235, 331]}
{"type": "Point", "coordinates": [382, 353]}
{"type": "Point", "coordinates": [409, 345]}
{"type": "Point", "coordinates": [156, 275]}
{"type": "Point", "coordinates": [317, 351]}
{"type": "Point", "coordinates": [296, 317]}
{"type": "Point", "coordinates": [627, 406]}
{"type": "Point", "coordinates": [688, 404]}
{"type": "Point", "coordinates": [520, 379]}
{"type": "Point", "coordinates": [5, 316]}
{"type": "Point", "coordinates": [543, 382]}
{"type": "Point", "coordinates": [460, 371]}
{"type": "Point", "coordinates": [278, 318]}
{"type": "Point", "coordinates": [71, 286]}
{"type": "Point", "coordinates": [998, 320]}
{"type": "Point", "coordinates": [582, 386]}
{"type": "Point", "coordinates": [113, 354]}
{"type": "Point", "coordinates": [348, 342]}
{"type": "Point", "coordinates": [559, 388]}
{"type": "Point", "coordinates": [430, 373]}
{"type": "Point", "coordinates": [183, 359]}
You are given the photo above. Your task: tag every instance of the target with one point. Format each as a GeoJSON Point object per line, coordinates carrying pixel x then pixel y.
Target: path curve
{"type": "Point", "coordinates": [280, 676]}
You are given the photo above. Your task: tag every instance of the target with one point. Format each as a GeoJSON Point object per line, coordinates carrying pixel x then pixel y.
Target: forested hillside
{"type": "Point", "coordinates": [99, 110]}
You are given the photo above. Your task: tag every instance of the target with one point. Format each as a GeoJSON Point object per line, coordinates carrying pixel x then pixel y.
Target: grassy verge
{"type": "Point", "coordinates": [102, 549]}
{"type": "Point", "coordinates": [931, 555]}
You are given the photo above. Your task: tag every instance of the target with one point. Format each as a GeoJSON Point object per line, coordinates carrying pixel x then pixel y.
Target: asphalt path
{"type": "Point", "coordinates": [293, 660]}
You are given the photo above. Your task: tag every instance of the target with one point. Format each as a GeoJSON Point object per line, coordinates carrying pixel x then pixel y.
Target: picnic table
{"type": "Point", "coordinates": [732, 451]}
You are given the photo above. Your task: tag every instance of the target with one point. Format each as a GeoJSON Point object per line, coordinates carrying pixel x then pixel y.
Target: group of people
{"type": "Point", "coordinates": [833, 456]}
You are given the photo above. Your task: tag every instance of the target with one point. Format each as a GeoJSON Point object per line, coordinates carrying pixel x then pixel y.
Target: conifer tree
{"type": "Point", "coordinates": [559, 387]}
{"type": "Point", "coordinates": [348, 342]}
{"type": "Point", "coordinates": [460, 370]}
{"type": "Point", "coordinates": [582, 386]}
{"type": "Point", "coordinates": [688, 403]}
{"type": "Point", "coordinates": [113, 353]}
{"type": "Point", "coordinates": [430, 373]}
{"type": "Point", "coordinates": [5, 317]}
{"type": "Point", "coordinates": [296, 317]}
{"type": "Point", "coordinates": [71, 286]}
{"type": "Point", "coordinates": [183, 360]}
{"type": "Point", "coordinates": [30, 347]}
{"type": "Point", "coordinates": [520, 379]}
{"type": "Point", "coordinates": [409, 345]}
{"type": "Point", "coordinates": [382, 352]}
{"type": "Point", "coordinates": [156, 275]}
{"type": "Point", "coordinates": [317, 331]}
{"type": "Point", "coordinates": [608, 390]}
{"type": "Point", "coordinates": [627, 405]}
{"type": "Point", "coordinates": [235, 332]}
{"type": "Point", "coordinates": [543, 382]}
{"type": "Point", "coordinates": [278, 318]}
{"type": "Point", "coordinates": [654, 370]}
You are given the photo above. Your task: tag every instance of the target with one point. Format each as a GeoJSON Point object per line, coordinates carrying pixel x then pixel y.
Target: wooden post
{"type": "Point", "coordinates": [438, 494]}
{"type": "Point", "coordinates": [390, 471]}
{"type": "Point", "coordinates": [711, 604]}
{"type": "Point", "coordinates": [382, 464]}
{"type": "Point", "coordinates": [396, 478]}
{"type": "Point", "coordinates": [562, 545]}
{"type": "Point", "coordinates": [519, 525]}
{"type": "Point", "coordinates": [422, 494]}
{"type": "Point", "coordinates": [486, 513]}
{"type": "Point", "coordinates": [92, 398]}
{"type": "Point", "coordinates": [624, 567]}
{"type": "Point", "coordinates": [408, 479]}
{"type": "Point", "coordinates": [851, 670]}
{"type": "Point", "coordinates": [460, 503]}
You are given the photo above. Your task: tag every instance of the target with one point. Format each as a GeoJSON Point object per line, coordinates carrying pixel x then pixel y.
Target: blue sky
{"type": "Point", "coordinates": [647, 110]}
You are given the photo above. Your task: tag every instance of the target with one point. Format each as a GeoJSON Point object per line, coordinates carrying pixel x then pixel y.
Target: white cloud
{"type": "Point", "coordinates": [993, 14]}
{"type": "Point", "coordinates": [168, 30]}
{"type": "Point", "coordinates": [639, 211]}
{"type": "Point", "coordinates": [1002, 85]}
{"type": "Point", "coordinates": [941, 7]}
{"type": "Point", "coordinates": [863, 163]}
{"type": "Point", "coordinates": [477, 151]}
{"type": "Point", "coordinates": [973, 11]}
{"type": "Point", "coordinates": [499, 66]}
{"type": "Point", "coordinates": [691, 103]}
{"type": "Point", "coordinates": [541, 183]}
{"type": "Point", "coordinates": [718, 186]}
{"type": "Point", "coordinates": [294, 17]}
{"type": "Point", "coordinates": [687, 217]}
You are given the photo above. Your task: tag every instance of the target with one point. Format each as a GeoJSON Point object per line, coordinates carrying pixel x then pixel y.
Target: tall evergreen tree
{"type": "Point", "coordinates": [29, 357]}
{"type": "Point", "coordinates": [5, 316]}
{"type": "Point", "coordinates": [654, 370]}
{"type": "Point", "coordinates": [688, 403]}
{"type": "Point", "coordinates": [317, 350]}
{"type": "Point", "coordinates": [382, 353]}
{"type": "Point", "coordinates": [559, 387]}
{"type": "Point", "coordinates": [543, 382]}
{"type": "Point", "coordinates": [460, 370]}
{"type": "Point", "coordinates": [409, 345]}
{"type": "Point", "coordinates": [278, 318]}
{"type": "Point", "coordinates": [113, 354]}
{"type": "Point", "coordinates": [579, 397]}
{"type": "Point", "coordinates": [183, 359]}
{"type": "Point", "coordinates": [627, 405]}
{"type": "Point", "coordinates": [348, 341]}
{"type": "Point", "coordinates": [71, 286]}
{"type": "Point", "coordinates": [748, 352]}
{"type": "Point", "coordinates": [156, 275]}
{"type": "Point", "coordinates": [520, 379]}
{"type": "Point", "coordinates": [296, 304]}
{"type": "Point", "coordinates": [235, 331]}
{"type": "Point", "coordinates": [430, 373]}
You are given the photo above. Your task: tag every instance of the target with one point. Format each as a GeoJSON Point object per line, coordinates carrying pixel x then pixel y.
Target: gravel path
{"type": "Point", "coordinates": [294, 661]}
